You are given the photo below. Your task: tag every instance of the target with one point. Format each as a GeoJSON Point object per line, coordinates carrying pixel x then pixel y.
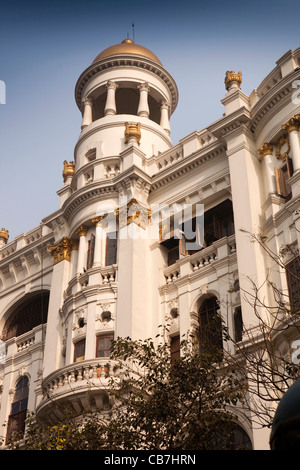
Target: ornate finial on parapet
{"type": "Point", "coordinates": [3, 236]}
{"type": "Point", "coordinates": [265, 149]}
{"type": "Point", "coordinates": [233, 80]}
{"type": "Point", "coordinates": [132, 130]}
{"type": "Point", "coordinates": [69, 170]}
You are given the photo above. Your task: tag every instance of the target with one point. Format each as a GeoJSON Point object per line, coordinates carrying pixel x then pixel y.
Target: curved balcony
{"type": "Point", "coordinates": [78, 388]}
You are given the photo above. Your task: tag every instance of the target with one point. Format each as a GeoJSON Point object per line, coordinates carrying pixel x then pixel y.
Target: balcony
{"type": "Point", "coordinates": [200, 261]}
{"type": "Point", "coordinates": [78, 388]}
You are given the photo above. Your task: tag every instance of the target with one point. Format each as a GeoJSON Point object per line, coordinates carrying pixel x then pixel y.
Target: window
{"type": "Point", "coordinates": [111, 249]}
{"type": "Point", "coordinates": [29, 314]}
{"type": "Point", "coordinates": [238, 324]}
{"type": "Point", "coordinates": [210, 326]}
{"type": "Point", "coordinates": [218, 222]}
{"type": "Point", "coordinates": [175, 348]}
{"type": "Point", "coordinates": [293, 281]}
{"type": "Point", "coordinates": [91, 250]}
{"type": "Point", "coordinates": [17, 417]}
{"type": "Point", "coordinates": [282, 175]}
{"type": "Point", "coordinates": [104, 343]}
{"type": "Point", "coordinates": [79, 350]}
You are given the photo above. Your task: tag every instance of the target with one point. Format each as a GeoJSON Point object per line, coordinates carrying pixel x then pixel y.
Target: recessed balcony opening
{"type": "Point", "coordinates": [127, 97]}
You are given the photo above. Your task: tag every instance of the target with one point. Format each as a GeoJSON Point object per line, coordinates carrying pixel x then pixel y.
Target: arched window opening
{"type": "Point", "coordinates": [17, 417]}
{"type": "Point", "coordinates": [210, 327]}
{"type": "Point", "coordinates": [31, 313]}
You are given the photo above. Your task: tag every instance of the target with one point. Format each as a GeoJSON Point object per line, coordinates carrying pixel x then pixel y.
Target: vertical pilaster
{"type": "Point", "coordinates": [61, 253]}
{"type": "Point", "coordinates": [81, 232]}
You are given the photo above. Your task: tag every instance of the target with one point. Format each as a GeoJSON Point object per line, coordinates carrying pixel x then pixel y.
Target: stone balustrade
{"type": "Point", "coordinates": [95, 372]}
{"type": "Point", "coordinates": [190, 264]}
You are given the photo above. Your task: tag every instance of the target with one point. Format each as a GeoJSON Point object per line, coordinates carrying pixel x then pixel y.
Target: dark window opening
{"type": "Point", "coordinates": [293, 282]}
{"type": "Point", "coordinates": [103, 347]}
{"type": "Point", "coordinates": [282, 175]}
{"type": "Point", "coordinates": [33, 312]}
{"type": "Point", "coordinates": [175, 348]}
{"type": "Point", "coordinates": [111, 249]}
{"type": "Point", "coordinates": [91, 251]}
{"type": "Point", "coordinates": [238, 324]}
{"type": "Point", "coordinates": [17, 417]}
{"type": "Point", "coordinates": [210, 327]}
{"type": "Point", "coordinates": [218, 222]}
{"type": "Point", "coordinates": [79, 350]}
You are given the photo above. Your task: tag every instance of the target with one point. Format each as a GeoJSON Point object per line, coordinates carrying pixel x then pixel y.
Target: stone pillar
{"type": "Point", "coordinates": [266, 152]}
{"type": "Point", "coordinates": [143, 109]}
{"type": "Point", "coordinates": [81, 232]}
{"type": "Point", "coordinates": [61, 253]}
{"type": "Point", "coordinates": [110, 106]}
{"type": "Point", "coordinates": [164, 116]}
{"type": "Point", "coordinates": [74, 258]}
{"type": "Point", "coordinates": [292, 127]}
{"type": "Point", "coordinates": [87, 117]}
{"type": "Point", "coordinates": [99, 241]}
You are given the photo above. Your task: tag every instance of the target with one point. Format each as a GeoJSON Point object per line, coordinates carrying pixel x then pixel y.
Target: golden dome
{"type": "Point", "coordinates": [127, 47]}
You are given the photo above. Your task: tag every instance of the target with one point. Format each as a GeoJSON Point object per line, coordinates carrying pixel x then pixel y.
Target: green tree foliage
{"type": "Point", "coordinates": [157, 403]}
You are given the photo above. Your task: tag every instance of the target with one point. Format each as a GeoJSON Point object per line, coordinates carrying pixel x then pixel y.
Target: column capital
{"type": "Point", "coordinates": [87, 101]}
{"type": "Point", "coordinates": [61, 250]}
{"type": "Point", "coordinates": [97, 220]}
{"type": "Point", "coordinates": [265, 149]}
{"type": "Point", "coordinates": [292, 124]}
{"type": "Point", "coordinates": [81, 231]}
{"type": "Point", "coordinates": [111, 85]}
{"type": "Point", "coordinates": [144, 86]}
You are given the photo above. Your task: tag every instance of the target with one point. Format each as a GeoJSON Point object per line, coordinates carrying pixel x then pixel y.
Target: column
{"type": "Point", "coordinates": [99, 241]}
{"type": "Point", "coordinates": [143, 109]}
{"type": "Point", "coordinates": [266, 152]}
{"type": "Point", "coordinates": [81, 232]}
{"type": "Point", "coordinates": [164, 116]}
{"type": "Point", "coordinates": [292, 127]}
{"type": "Point", "coordinates": [74, 258]}
{"type": "Point", "coordinates": [87, 118]}
{"type": "Point", "coordinates": [61, 253]}
{"type": "Point", "coordinates": [110, 106]}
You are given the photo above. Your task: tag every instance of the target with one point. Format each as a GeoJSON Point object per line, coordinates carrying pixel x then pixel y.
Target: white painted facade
{"type": "Point", "coordinates": [135, 291]}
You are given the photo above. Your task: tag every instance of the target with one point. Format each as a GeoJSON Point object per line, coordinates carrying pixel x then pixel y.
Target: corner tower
{"type": "Point", "coordinates": [125, 96]}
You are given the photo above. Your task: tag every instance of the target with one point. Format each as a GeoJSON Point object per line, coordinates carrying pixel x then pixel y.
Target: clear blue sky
{"type": "Point", "coordinates": [45, 45]}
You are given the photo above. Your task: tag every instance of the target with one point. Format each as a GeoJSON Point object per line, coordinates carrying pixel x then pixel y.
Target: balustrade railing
{"type": "Point", "coordinates": [93, 372]}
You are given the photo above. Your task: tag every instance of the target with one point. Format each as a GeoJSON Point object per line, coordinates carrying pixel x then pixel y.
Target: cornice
{"type": "Point", "coordinates": [187, 164]}
{"type": "Point", "coordinates": [275, 99]}
{"type": "Point", "coordinates": [236, 121]}
{"type": "Point", "coordinates": [124, 60]}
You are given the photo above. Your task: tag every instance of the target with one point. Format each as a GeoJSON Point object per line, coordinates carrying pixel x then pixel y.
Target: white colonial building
{"type": "Point", "coordinates": [109, 263]}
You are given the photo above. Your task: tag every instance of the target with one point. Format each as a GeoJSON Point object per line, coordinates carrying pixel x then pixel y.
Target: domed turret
{"type": "Point", "coordinates": [126, 98]}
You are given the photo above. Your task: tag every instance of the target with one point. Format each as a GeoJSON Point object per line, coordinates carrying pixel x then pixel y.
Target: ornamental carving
{"type": "Point", "coordinates": [69, 169]}
{"type": "Point", "coordinates": [4, 235]}
{"type": "Point", "coordinates": [81, 231]}
{"type": "Point", "coordinates": [292, 124]}
{"type": "Point", "coordinates": [231, 77]}
{"type": "Point", "coordinates": [132, 129]}
{"type": "Point", "coordinates": [133, 212]}
{"type": "Point", "coordinates": [266, 149]}
{"type": "Point", "coordinates": [62, 250]}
